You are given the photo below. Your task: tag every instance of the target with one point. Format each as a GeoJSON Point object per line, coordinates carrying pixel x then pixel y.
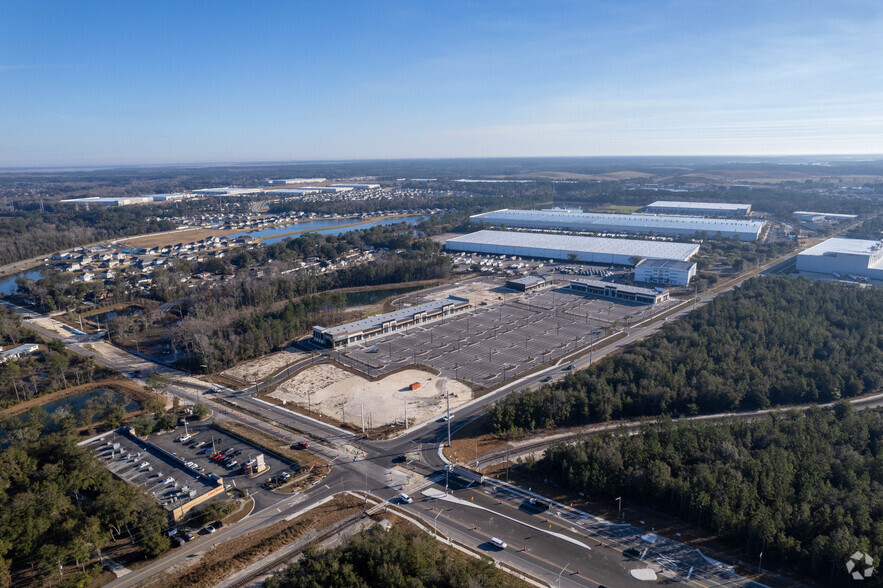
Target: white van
{"type": "Point", "coordinates": [498, 543]}
{"type": "Point", "coordinates": [405, 498]}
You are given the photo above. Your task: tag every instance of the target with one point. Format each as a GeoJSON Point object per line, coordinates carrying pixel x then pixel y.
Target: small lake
{"type": "Point", "coordinates": [375, 296]}
{"type": "Point", "coordinates": [77, 402]}
{"type": "Point", "coordinates": [7, 284]}
{"type": "Point", "coordinates": [106, 316]}
{"type": "Point", "coordinates": [321, 227]}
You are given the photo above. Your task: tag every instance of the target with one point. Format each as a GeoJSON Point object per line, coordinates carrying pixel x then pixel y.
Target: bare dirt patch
{"type": "Point", "coordinates": [339, 394]}
{"type": "Point", "coordinates": [268, 365]}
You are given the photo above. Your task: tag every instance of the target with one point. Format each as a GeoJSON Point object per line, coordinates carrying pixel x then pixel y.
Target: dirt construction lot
{"type": "Point", "coordinates": [339, 394]}
{"type": "Point", "coordinates": [262, 367]}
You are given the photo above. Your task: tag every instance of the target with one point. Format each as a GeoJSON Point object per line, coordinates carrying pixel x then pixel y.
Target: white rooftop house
{"type": "Point", "coordinates": [637, 224]}
{"type": "Point", "coordinates": [16, 352]}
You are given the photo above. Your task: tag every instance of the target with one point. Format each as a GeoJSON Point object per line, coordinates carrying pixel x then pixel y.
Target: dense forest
{"type": "Point", "coordinates": [392, 559]}
{"type": "Point", "coordinates": [771, 342]}
{"type": "Point", "coordinates": [246, 318]}
{"type": "Point", "coordinates": [870, 229]}
{"type": "Point", "coordinates": [32, 232]}
{"type": "Point", "coordinates": [805, 489]}
{"type": "Point", "coordinates": [59, 504]}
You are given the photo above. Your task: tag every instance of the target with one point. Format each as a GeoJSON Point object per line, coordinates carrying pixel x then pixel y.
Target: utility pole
{"type": "Point", "coordinates": [406, 414]}
{"type": "Point", "coordinates": [562, 572]}
{"type": "Point", "coordinates": [362, 415]}
{"type": "Point", "coordinates": [448, 398]}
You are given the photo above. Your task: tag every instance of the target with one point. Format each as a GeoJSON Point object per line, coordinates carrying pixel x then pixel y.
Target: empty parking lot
{"type": "Point", "coordinates": [495, 343]}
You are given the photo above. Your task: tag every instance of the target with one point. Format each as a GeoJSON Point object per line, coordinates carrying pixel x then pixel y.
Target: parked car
{"type": "Point", "coordinates": [210, 529]}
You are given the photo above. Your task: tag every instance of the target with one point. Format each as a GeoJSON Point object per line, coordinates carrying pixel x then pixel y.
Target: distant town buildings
{"type": "Point", "coordinates": [269, 182]}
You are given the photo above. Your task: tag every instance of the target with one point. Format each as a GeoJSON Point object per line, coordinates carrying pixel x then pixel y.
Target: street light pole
{"type": "Point", "coordinates": [560, 574]}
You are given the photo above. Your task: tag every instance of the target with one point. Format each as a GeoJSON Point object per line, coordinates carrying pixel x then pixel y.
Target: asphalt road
{"type": "Point", "coordinates": [370, 465]}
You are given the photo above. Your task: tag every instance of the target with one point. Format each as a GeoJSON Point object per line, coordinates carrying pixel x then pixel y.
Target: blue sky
{"type": "Point", "coordinates": [86, 83]}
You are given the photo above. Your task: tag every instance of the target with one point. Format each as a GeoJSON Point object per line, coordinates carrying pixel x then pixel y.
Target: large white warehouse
{"type": "Point", "coordinates": [699, 208]}
{"type": "Point", "coordinates": [847, 257]}
{"type": "Point", "coordinates": [588, 249]}
{"type": "Point", "coordinates": [638, 224]}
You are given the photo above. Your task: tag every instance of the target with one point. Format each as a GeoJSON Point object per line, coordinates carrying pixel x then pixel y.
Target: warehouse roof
{"type": "Point", "coordinates": [860, 246]}
{"type": "Point", "coordinates": [597, 221]}
{"type": "Point", "coordinates": [708, 205]}
{"type": "Point", "coordinates": [528, 280]}
{"type": "Point", "coordinates": [669, 263]}
{"type": "Point", "coordinates": [630, 247]}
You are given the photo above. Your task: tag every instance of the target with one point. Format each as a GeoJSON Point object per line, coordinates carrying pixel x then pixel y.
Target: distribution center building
{"type": "Point", "coordinates": [383, 324]}
{"type": "Point", "coordinates": [637, 224]}
{"type": "Point", "coordinates": [566, 247]}
{"type": "Point", "coordinates": [697, 208]}
{"type": "Point", "coordinates": [848, 257]}
{"type": "Point", "coordinates": [665, 271]}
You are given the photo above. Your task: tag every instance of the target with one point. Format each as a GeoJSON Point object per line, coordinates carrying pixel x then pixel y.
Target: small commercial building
{"type": "Point", "coordinates": [844, 258]}
{"type": "Point", "coordinates": [698, 208]}
{"type": "Point", "coordinates": [620, 291]}
{"type": "Point", "coordinates": [528, 283]}
{"type": "Point", "coordinates": [570, 247]}
{"type": "Point", "coordinates": [18, 351]}
{"type": "Point", "coordinates": [390, 322]}
{"type": "Point", "coordinates": [665, 271]}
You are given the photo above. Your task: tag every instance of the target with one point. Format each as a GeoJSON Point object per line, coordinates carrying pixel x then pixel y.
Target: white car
{"type": "Point", "coordinates": [405, 498]}
{"type": "Point", "coordinates": [498, 543]}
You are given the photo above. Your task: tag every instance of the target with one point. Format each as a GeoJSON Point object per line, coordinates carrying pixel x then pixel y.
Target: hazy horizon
{"type": "Point", "coordinates": [106, 84]}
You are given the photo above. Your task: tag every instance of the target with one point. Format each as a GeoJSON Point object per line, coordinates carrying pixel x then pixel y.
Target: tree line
{"type": "Point", "coordinates": [771, 342]}
{"type": "Point", "coordinates": [805, 489]}
{"type": "Point", "coordinates": [59, 506]}
{"type": "Point", "coordinates": [246, 317]}
{"type": "Point", "coordinates": [394, 558]}
{"type": "Point", "coordinates": [31, 232]}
